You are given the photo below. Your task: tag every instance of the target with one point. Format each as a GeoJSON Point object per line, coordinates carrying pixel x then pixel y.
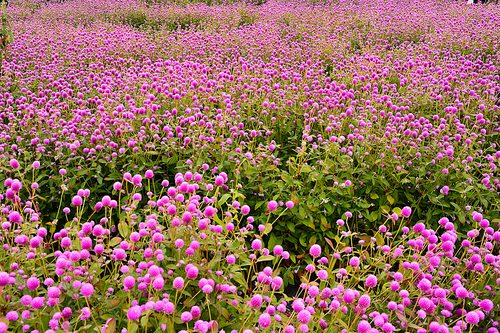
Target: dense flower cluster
{"type": "Point", "coordinates": [177, 257]}
{"type": "Point", "coordinates": [173, 167]}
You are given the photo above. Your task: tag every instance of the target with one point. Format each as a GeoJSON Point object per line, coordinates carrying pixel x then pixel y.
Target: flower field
{"type": "Point", "coordinates": [249, 167]}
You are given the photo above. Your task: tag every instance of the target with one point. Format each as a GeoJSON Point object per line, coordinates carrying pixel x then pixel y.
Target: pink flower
{"type": "Point", "coordinates": [14, 164]}
{"type": "Point", "coordinates": [315, 250]}
{"type": "Point", "coordinates": [406, 211]}
{"type": "Point", "coordinates": [186, 316]}
{"type": "Point", "coordinates": [256, 301]}
{"type": "Point", "coordinates": [272, 205]}
{"type": "Point", "coordinates": [178, 283]}
{"type": "Point", "coordinates": [87, 289]}
{"type": "Point", "coordinates": [364, 326]}
{"type": "Point", "coordinates": [371, 281]}
{"type": "Point", "coordinates": [129, 282]}
{"type": "Point", "coordinates": [77, 200]}
{"type": "Point", "coordinates": [134, 313]}
{"type": "Point", "coordinates": [265, 320]}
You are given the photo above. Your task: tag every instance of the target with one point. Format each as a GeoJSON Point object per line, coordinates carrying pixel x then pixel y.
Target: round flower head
{"type": "Point", "coordinates": [406, 211]}
{"type": "Point", "coordinates": [272, 205]}
{"type": "Point", "coordinates": [12, 315]}
{"type": "Point", "coordinates": [178, 283]}
{"type": "Point", "coordinates": [14, 164]}
{"type": "Point", "coordinates": [364, 327]}
{"type": "Point", "coordinates": [354, 262]}
{"type": "Point", "coordinates": [364, 301]}
{"type": "Point", "coordinates": [315, 250]}
{"type": "Point", "coordinates": [388, 328]}
{"type": "Point", "coordinates": [349, 296]}
{"type": "Point", "coordinates": [137, 180]}
{"type": "Point", "coordinates": [77, 200]}
{"type": "Point", "coordinates": [461, 292]}
{"type": "Point", "coordinates": [87, 289]}
{"type": "Point", "coordinates": [195, 311]}
{"type": "Point", "coordinates": [33, 283]}
{"type": "Point", "coordinates": [219, 181]}
{"type": "Point", "coordinates": [322, 274]}
{"type": "Point", "coordinates": [371, 281]}
{"type": "Point", "coordinates": [15, 217]}
{"type": "Point", "coordinates": [304, 316]}
{"type": "Point", "coordinates": [53, 292]}
{"type": "Point", "coordinates": [265, 320]}
{"type": "Point", "coordinates": [186, 316]}
{"type": "Point", "coordinates": [245, 209]}
{"type": "Point", "coordinates": [256, 301]}
{"type": "Point", "coordinates": [134, 313]}
{"type": "Point", "coordinates": [425, 285]}
{"type": "Point", "coordinates": [209, 211]}
{"type": "Point", "coordinates": [472, 318]}
{"type": "Point", "coordinates": [290, 204]}
{"type": "Point", "coordinates": [149, 174]}
{"type": "Point", "coordinates": [158, 283]}
{"type": "Point", "coordinates": [129, 282]}
{"type": "Point", "coordinates": [257, 244]}
{"type": "Point", "coordinates": [486, 305]}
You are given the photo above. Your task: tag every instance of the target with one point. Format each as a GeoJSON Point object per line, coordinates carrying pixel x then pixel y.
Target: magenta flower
{"type": "Point", "coordinates": [77, 200]}
{"type": "Point", "coordinates": [87, 289]}
{"type": "Point", "coordinates": [364, 326]}
{"type": "Point", "coordinates": [371, 281]}
{"type": "Point", "coordinates": [272, 205]}
{"type": "Point", "coordinates": [14, 164]}
{"type": "Point", "coordinates": [129, 282]}
{"type": "Point", "coordinates": [304, 316]}
{"type": "Point", "coordinates": [134, 313]}
{"type": "Point", "coordinates": [472, 318]}
{"type": "Point", "coordinates": [257, 244]}
{"type": "Point", "coordinates": [315, 250]}
{"type": "Point", "coordinates": [265, 320]}
{"type": "Point", "coordinates": [406, 211]}
{"type": "Point", "coordinates": [178, 283]}
{"type": "Point", "coordinates": [186, 316]}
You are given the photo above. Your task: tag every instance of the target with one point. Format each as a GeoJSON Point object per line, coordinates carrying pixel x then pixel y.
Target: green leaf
{"type": "Point", "coordinates": [170, 325]}
{"type": "Point", "coordinates": [238, 277]}
{"type": "Point", "coordinates": [342, 323]}
{"type": "Point", "coordinates": [110, 326]}
{"type": "Point", "coordinates": [265, 258]}
{"type": "Point", "coordinates": [123, 229]}
{"type": "Point", "coordinates": [305, 168]}
{"type": "Point", "coordinates": [144, 321]}
{"type": "Point", "coordinates": [380, 239]}
{"type": "Point", "coordinates": [134, 327]}
{"type": "Point", "coordinates": [272, 241]}
{"type": "Point", "coordinates": [268, 229]}
{"type": "Point", "coordinates": [114, 241]}
{"type": "Point", "coordinates": [223, 199]}
{"type": "Point", "coordinates": [390, 199]}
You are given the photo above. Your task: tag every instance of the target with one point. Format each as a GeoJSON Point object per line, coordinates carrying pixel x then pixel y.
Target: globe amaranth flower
{"type": "Point", "coordinates": [315, 250]}
{"type": "Point", "coordinates": [265, 320]}
{"type": "Point", "coordinates": [364, 326]}
{"type": "Point", "coordinates": [134, 313]}
{"type": "Point", "coordinates": [472, 318]}
{"type": "Point", "coordinates": [272, 205]}
{"type": "Point", "coordinates": [371, 281]}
